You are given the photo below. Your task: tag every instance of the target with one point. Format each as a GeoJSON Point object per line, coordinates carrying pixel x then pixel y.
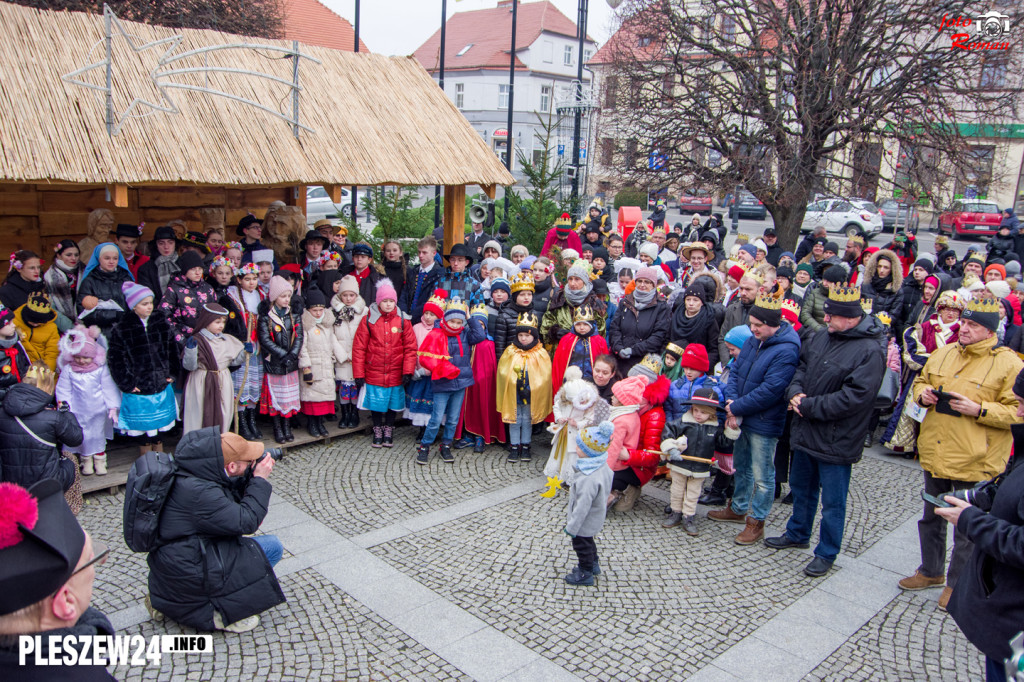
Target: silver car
{"type": "Point", "coordinates": [319, 204]}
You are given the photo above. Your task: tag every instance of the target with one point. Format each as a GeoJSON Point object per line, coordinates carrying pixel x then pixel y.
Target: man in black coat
{"type": "Point", "coordinates": [206, 574]}
{"type": "Point", "coordinates": [833, 396]}
{"type": "Point", "coordinates": [771, 240]}
{"type": "Point", "coordinates": [31, 446]}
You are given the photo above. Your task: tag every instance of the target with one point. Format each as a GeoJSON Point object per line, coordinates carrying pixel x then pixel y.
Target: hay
{"type": "Point", "coordinates": [377, 120]}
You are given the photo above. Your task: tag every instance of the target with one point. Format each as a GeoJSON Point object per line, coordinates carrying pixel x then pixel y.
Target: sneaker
{"type": "Point", "coordinates": [513, 454]}
{"type": "Point", "coordinates": [727, 515]}
{"type": "Point", "coordinates": [673, 520]}
{"type": "Point", "coordinates": [525, 455]}
{"type": "Point", "coordinates": [690, 525]}
{"type": "Point", "coordinates": [478, 445]}
{"type": "Point", "coordinates": [464, 442]}
{"type": "Point", "coordinates": [422, 454]}
{"type": "Point", "coordinates": [919, 581]}
{"type": "Point", "coordinates": [580, 577]}
{"type": "Point", "coordinates": [446, 453]}
{"type": "Point", "coordinates": [785, 542]}
{"type": "Point", "coordinates": [244, 625]}
{"type": "Point", "coordinates": [817, 567]}
{"type": "Point", "coordinates": [947, 592]}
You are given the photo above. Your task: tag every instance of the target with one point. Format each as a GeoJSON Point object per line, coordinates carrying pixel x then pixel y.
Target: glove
{"type": "Point", "coordinates": [191, 343]}
{"type": "Point", "coordinates": [421, 372]}
{"type": "Point", "coordinates": [406, 378]}
{"type": "Point", "coordinates": [675, 456]}
{"type": "Point", "coordinates": [249, 348]}
{"type": "Point", "coordinates": [568, 533]}
{"type": "Point", "coordinates": [360, 382]}
{"type": "Point", "coordinates": [62, 406]}
{"type": "Point", "coordinates": [307, 376]}
{"type": "Point", "coordinates": [112, 414]}
{"type": "Point", "coordinates": [625, 353]}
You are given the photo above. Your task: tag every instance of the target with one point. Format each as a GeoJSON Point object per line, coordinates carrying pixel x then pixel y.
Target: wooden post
{"type": "Point", "coordinates": [334, 191]}
{"type": "Point", "coordinates": [489, 191]}
{"type": "Point", "coordinates": [298, 197]}
{"type": "Point", "coordinates": [454, 216]}
{"type": "Point", "coordinates": [119, 195]}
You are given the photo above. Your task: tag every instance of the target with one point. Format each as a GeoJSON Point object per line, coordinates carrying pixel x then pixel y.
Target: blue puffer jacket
{"type": "Point", "coordinates": [682, 390]}
{"type": "Point", "coordinates": [758, 381]}
{"type": "Point", "coordinates": [460, 348]}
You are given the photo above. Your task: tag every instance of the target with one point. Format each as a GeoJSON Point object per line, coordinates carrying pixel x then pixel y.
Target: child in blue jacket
{"type": "Point", "coordinates": [695, 365]}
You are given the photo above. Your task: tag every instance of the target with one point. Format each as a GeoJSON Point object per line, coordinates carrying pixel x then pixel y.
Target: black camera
{"type": "Point", "coordinates": [275, 454]}
{"type": "Point", "coordinates": [981, 495]}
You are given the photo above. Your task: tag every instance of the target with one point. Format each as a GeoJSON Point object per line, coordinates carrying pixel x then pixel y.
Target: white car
{"type": "Point", "coordinates": [319, 204]}
{"type": "Point", "coordinates": [842, 215]}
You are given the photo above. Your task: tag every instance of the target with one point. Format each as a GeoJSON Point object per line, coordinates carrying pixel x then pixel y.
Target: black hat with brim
{"type": "Point", "coordinates": [165, 232]}
{"type": "Point", "coordinates": [128, 230]}
{"type": "Point", "coordinates": [461, 250]}
{"type": "Point", "coordinates": [313, 234]}
{"type": "Point", "coordinates": [245, 223]}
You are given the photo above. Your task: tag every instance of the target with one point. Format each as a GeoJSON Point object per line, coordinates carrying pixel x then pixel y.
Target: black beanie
{"type": "Point", "coordinates": [926, 264]}
{"type": "Point", "coordinates": [1018, 385]}
{"type": "Point", "coordinates": [784, 271]}
{"type": "Point", "coordinates": [835, 274]}
{"type": "Point", "coordinates": [189, 260]}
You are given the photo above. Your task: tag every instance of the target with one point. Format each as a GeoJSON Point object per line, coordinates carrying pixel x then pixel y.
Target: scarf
{"type": "Point", "coordinates": [620, 410]}
{"type": "Point", "coordinates": [9, 343]}
{"type": "Point", "coordinates": [880, 284]}
{"type": "Point", "coordinates": [84, 369]}
{"type": "Point", "coordinates": [70, 273]}
{"type": "Point", "coordinates": [588, 465]}
{"type": "Point", "coordinates": [166, 268]}
{"type": "Point", "coordinates": [213, 415]}
{"type": "Point", "coordinates": [689, 328]}
{"type": "Point", "coordinates": [576, 298]}
{"type": "Point", "coordinates": [251, 300]}
{"type": "Point", "coordinates": [643, 298]}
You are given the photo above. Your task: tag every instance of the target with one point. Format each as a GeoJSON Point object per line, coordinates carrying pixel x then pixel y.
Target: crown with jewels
{"type": "Point", "coordinates": [479, 310]}
{"type": "Point", "coordinates": [791, 306]}
{"type": "Point", "coordinates": [583, 314]}
{"type": "Point", "coordinates": [866, 304]}
{"type": "Point", "coordinates": [755, 275]}
{"type": "Point", "coordinates": [767, 301]}
{"type": "Point", "coordinates": [437, 299]}
{"type": "Point", "coordinates": [652, 362]}
{"type": "Point", "coordinates": [457, 304]}
{"type": "Point", "coordinates": [522, 281]}
{"type": "Point", "coordinates": [986, 304]}
{"type": "Point", "coordinates": [844, 294]}
{"type": "Point", "coordinates": [528, 319]}
{"type": "Point", "coordinates": [38, 302]}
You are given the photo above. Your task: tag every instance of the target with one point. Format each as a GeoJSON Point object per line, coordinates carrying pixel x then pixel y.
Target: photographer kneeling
{"type": "Point", "coordinates": [205, 573]}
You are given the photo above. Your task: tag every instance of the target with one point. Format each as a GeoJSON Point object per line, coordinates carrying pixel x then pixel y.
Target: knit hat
{"type": "Point", "coordinates": [836, 274]}
{"type": "Point", "coordinates": [492, 244]}
{"type": "Point", "coordinates": [747, 248]}
{"type": "Point", "coordinates": [315, 297]}
{"type": "Point", "coordinates": [600, 252]}
{"type": "Point", "coordinates": [998, 268]}
{"type": "Point", "coordinates": [593, 441]}
{"type": "Point", "coordinates": [674, 349]}
{"type": "Point", "coordinates": [975, 258]}
{"type": "Point", "coordinates": [998, 287]}
{"type": "Point", "coordinates": [926, 264]}
{"type": "Point", "coordinates": [527, 263]}
{"type": "Point", "coordinates": [279, 285]}
{"type": "Point", "coordinates": [6, 316]}
{"type": "Point", "coordinates": [737, 336]}
{"type": "Point", "coordinates": [456, 308]}
{"type": "Point", "coordinates": [84, 341]}
{"type": "Point", "coordinates": [760, 245]}
{"type": "Point", "coordinates": [767, 309]}
{"type": "Point", "coordinates": [1012, 269]}
{"type": "Point", "coordinates": [569, 254]}
{"type": "Point", "coordinates": [737, 270]}
{"type": "Point", "coordinates": [695, 356]}
{"type": "Point", "coordinates": [501, 284]}
{"type": "Point", "coordinates": [630, 390]}
{"type": "Point", "coordinates": [435, 304]}
{"type": "Point", "coordinates": [348, 283]}
{"type": "Point", "coordinates": [386, 291]}
{"type": "Point", "coordinates": [37, 309]}
{"type": "Point", "coordinates": [704, 397]}
{"type": "Point", "coordinates": [189, 260]}
{"type": "Point", "coordinates": [844, 301]}
{"type": "Point", "coordinates": [984, 311]}
{"type": "Point", "coordinates": [135, 294]}
{"type": "Point", "coordinates": [785, 271]}
{"type": "Point", "coordinates": [697, 290]}
{"type": "Point", "coordinates": [504, 228]}
{"type": "Point", "coordinates": [649, 249]}
{"type": "Point", "coordinates": [806, 267]}
{"type": "Point", "coordinates": [647, 369]}
{"type": "Point", "coordinates": [647, 272]}
{"type": "Point", "coordinates": [580, 268]}
{"type": "Point", "coordinates": [832, 246]}
{"type": "Point", "coordinates": [563, 225]}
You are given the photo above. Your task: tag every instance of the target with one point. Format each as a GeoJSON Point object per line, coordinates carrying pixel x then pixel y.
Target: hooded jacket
{"type": "Point", "coordinates": [737, 314]}
{"type": "Point", "coordinates": [702, 440]}
{"type": "Point", "coordinates": [345, 333]}
{"type": "Point", "coordinates": [839, 373]}
{"type": "Point", "coordinates": [890, 298]}
{"type": "Point", "coordinates": [23, 459]}
{"type": "Point", "coordinates": [384, 348]}
{"type": "Point", "coordinates": [320, 350]}
{"type": "Point", "coordinates": [644, 331]}
{"type": "Point", "coordinates": [204, 562]}
{"type": "Point", "coordinates": [758, 381]}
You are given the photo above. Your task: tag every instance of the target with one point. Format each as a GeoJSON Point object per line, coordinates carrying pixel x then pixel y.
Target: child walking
{"type": "Point", "coordinates": [577, 405]}
{"type": "Point", "coordinates": [349, 310]}
{"type": "Point", "coordinates": [698, 434]}
{"type": "Point", "coordinates": [142, 343]}
{"type": "Point", "coordinates": [320, 351]}
{"type": "Point", "coordinates": [86, 386]}
{"type": "Point", "coordinates": [208, 358]}
{"type": "Point", "coordinates": [419, 395]}
{"type": "Point", "coordinates": [279, 330]}
{"type": "Point", "coordinates": [524, 386]}
{"type": "Point", "coordinates": [587, 509]}
{"type": "Point", "coordinates": [242, 302]}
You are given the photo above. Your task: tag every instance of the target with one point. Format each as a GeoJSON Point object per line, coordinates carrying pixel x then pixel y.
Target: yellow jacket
{"type": "Point", "coordinates": [967, 448]}
{"type": "Point", "coordinates": [40, 342]}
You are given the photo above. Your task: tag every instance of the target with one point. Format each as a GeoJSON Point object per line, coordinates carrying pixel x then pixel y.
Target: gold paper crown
{"type": "Point", "coordinates": [592, 444]}
{"type": "Point", "coordinates": [42, 377]}
{"type": "Point", "coordinates": [844, 294]}
{"type": "Point", "coordinates": [457, 304]}
{"type": "Point", "coordinates": [969, 279]}
{"type": "Point", "coordinates": [652, 362]}
{"type": "Point", "coordinates": [791, 306]}
{"type": "Point", "coordinates": [479, 310]}
{"type": "Point", "coordinates": [767, 301]}
{"type": "Point", "coordinates": [986, 304]}
{"type": "Point", "coordinates": [437, 300]}
{"type": "Point", "coordinates": [755, 275]}
{"type": "Point", "coordinates": [39, 303]}
{"type": "Point", "coordinates": [528, 319]}
{"type": "Point", "coordinates": [521, 281]}
{"type": "Point", "coordinates": [583, 314]}
{"type": "Point", "coordinates": [866, 304]}
{"type": "Point", "coordinates": [564, 220]}
{"type": "Point", "coordinates": [674, 349]}
{"type": "Point", "coordinates": [884, 318]}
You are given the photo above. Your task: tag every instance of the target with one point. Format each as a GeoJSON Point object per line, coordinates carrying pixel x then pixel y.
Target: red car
{"type": "Point", "coordinates": [969, 218]}
{"type": "Point", "coordinates": [695, 201]}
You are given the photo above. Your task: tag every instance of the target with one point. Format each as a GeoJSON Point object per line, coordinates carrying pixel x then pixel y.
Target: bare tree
{"type": "Point", "coordinates": [771, 93]}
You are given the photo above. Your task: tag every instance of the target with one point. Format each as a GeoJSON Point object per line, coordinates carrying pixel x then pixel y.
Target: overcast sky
{"type": "Point", "coordinates": [398, 27]}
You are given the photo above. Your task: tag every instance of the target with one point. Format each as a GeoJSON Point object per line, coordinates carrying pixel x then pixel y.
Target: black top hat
{"type": "Point", "coordinates": [246, 222]}
{"type": "Point", "coordinates": [128, 230]}
{"type": "Point", "coordinates": [461, 250]}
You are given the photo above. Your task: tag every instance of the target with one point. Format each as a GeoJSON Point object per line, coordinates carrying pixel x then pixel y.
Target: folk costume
{"type": "Point", "coordinates": [246, 381]}
{"type": "Point", "coordinates": [209, 395]}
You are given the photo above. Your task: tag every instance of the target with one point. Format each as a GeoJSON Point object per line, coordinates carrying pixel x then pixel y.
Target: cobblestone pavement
{"type": "Point", "coordinates": [395, 571]}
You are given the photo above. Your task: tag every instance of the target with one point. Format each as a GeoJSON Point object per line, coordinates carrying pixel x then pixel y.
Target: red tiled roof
{"type": "Point", "coordinates": [489, 30]}
{"type": "Point", "coordinates": [313, 23]}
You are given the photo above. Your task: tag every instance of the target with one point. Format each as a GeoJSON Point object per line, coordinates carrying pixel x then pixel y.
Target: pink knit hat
{"type": "Point", "coordinates": [385, 291]}
{"type": "Point", "coordinates": [649, 273]}
{"type": "Point", "coordinates": [629, 391]}
{"type": "Point", "coordinates": [279, 285]}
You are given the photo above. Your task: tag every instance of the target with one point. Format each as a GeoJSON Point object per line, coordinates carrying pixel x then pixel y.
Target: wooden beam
{"type": "Point", "coordinates": [454, 216]}
{"type": "Point", "coordinates": [489, 190]}
{"type": "Point", "coordinates": [119, 195]}
{"type": "Point", "coordinates": [334, 192]}
{"type": "Point", "coordinates": [298, 197]}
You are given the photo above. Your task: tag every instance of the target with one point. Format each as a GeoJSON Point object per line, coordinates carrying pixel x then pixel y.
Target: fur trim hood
{"type": "Point", "coordinates": [897, 268]}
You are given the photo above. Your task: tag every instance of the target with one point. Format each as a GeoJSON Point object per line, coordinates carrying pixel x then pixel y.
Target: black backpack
{"type": "Point", "coordinates": [149, 483]}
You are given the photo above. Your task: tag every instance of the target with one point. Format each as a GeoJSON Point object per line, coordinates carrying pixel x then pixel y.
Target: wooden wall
{"type": "Point", "coordinates": [36, 217]}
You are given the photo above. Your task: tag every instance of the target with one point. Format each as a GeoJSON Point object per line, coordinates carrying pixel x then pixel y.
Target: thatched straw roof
{"type": "Point", "coordinates": [377, 120]}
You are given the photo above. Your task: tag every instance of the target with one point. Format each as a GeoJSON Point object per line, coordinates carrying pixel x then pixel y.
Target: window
{"type": "Point", "coordinates": [607, 151]}
{"type": "Point", "coordinates": [567, 55]}
{"type": "Point", "coordinates": [463, 50]}
{"type": "Point", "coordinates": [460, 95]}
{"type": "Point", "coordinates": [993, 73]}
{"type": "Point", "coordinates": [503, 96]}
{"type": "Point", "coordinates": [587, 54]}
{"type": "Point", "coordinates": [630, 153]}
{"type": "Point", "coordinates": [545, 98]}
{"type": "Point", "coordinates": [611, 84]}
{"type": "Point", "coordinates": [643, 41]}
{"type": "Point", "coordinates": [977, 172]}
{"type": "Point", "coordinates": [728, 34]}
{"type": "Point", "coordinates": [316, 193]}
{"type": "Point", "coordinates": [538, 158]}
{"type": "Point", "coordinates": [549, 52]}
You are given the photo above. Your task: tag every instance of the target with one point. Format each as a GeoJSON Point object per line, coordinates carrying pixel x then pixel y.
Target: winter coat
{"type": "Point", "coordinates": [644, 331]}
{"type": "Point", "coordinates": [644, 459]}
{"type": "Point", "coordinates": [626, 437]}
{"type": "Point", "coordinates": [571, 241]}
{"type": "Point", "coordinates": [345, 333]}
{"type": "Point", "coordinates": [91, 396]}
{"type": "Point", "coordinates": [181, 304]}
{"type": "Point", "coordinates": [40, 342]}
{"type": "Point", "coordinates": [1000, 247]}
{"type": "Point", "coordinates": [587, 502]}
{"type": "Point", "coordinates": [144, 355]}
{"type": "Point", "coordinates": [23, 459]}
{"type": "Point", "coordinates": [702, 440]}
{"type": "Point", "coordinates": [737, 314]}
{"type": "Point", "coordinates": [967, 448]}
{"type": "Point", "coordinates": [61, 292]}
{"type": "Point", "coordinates": [988, 600]}
{"type": "Point", "coordinates": [839, 373]}
{"type": "Point", "coordinates": [106, 286]}
{"type": "Point", "coordinates": [204, 563]}
{"type": "Point", "coordinates": [368, 284]}
{"type": "Point", "coordinates": [280, 340]}
{"type": "Point", "coordinates": [505, 325]}
{"type": "Point", "coordinates": [703, 330]}
{"type": "Point", "coordinates": [812, 313]}
{"type": "Point", "coordinates": [542, 296]}
{"type": "Point", "coordinates": [682, 389]}
{"type": "Point", "coordinates": [758, 381]}
{"type": "Point", "coordinates": [460, 285]}
{"type": "Point", "coordinates": [14, 363]}
{"type": "Point", "coordinates": [384, 348]}
{"type": "Point", "coordinates": [419, 287]}
{"type": "Point", "coordinates": [449, 358]}
{"type": "Point", "coordinates": [149, 276]}
{"type": "Point", "coordinates": [91, 623]}
{"type": "Point", "coordinates": [320, 351]}
{"type": "Point", "coordinates": [15, 291]}
{"type": "Point", "coordinates": [558, 319]}
{"type": "Point", "coordinates": [804, 247]}
{"type": "Point", "coordinates": [890, 298]}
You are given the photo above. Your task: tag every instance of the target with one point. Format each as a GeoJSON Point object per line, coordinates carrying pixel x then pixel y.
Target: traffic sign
{"type": "Point", "coordinates": [561, 150]}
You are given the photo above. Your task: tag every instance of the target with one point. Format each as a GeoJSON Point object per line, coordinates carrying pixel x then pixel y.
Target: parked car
{"type": "Point", "coordinates": [975, 217]}
{"type": "Point", "coordinates": [748, 206]}
{"type": "Point", "coordinates": [899, 216]}
{"type": "Point", "coordinates": [695, 201]}
{"type": "Point", "coordinates": [319, 204]}
{"type": "Point", "coordinates": [846, 216]}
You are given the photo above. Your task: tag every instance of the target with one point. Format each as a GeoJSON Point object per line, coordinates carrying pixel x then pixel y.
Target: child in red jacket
{"type": "Point", "coordinates": [643, 460]}
{"type": "Point", "coordinates": [626, 397]}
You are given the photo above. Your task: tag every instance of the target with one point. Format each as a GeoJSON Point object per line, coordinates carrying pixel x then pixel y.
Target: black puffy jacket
{"type": "Point", "coordinates": [505, 325]}
{"type": "Point", "coordinates": [280, 340]}
{"type": "Point", "coordinates": [203, 562]}
{"type": "Point", "coordinates": [15, 291]}
{"type": "Point", "coordinates": [644, 331]}
{"type": "Point", "coordinates": [24, 459]}
{"type": "Point", "coordinates": [702, 440]}
{"type": "Point", "coordinates": [840, 374]}
{"type": "Point", "coordinates": [14, 363]}
{"type": "Point", "coordinates": [886, 297]}
{"type": "Point", "coordinates": [542, 296]}
{"type": "Point", "coordinates": [146, 356]}
{"type": "Point", "coordinates": [105, 286]}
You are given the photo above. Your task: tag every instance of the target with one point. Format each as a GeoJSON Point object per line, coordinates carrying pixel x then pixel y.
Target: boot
{"type": "Point", "coordinates": [250, 415]}
{"type": "Point", "coordinates": [753, 532]}
{"type": "Point", "coordinates": [286, 427]}
{"type": "Point", "coordinates": [389, 436]}
{"type": "Point", "coordinates": [87, 468]}
{"type": "Point", "coordinates": [525, 455]}
{"type": "Point", "coordinates": [353, 420]}
{"type": "Point", "coordinates": [727, 515]}
{"type": "Point", "coordinates": [580, 577]}
{"type": "Point", "coordinates": [513, 453]}
{"type": "Point", "coordinates": [629, 498]}
{"type": "Point", "coordinates": [673, 520]}
{"type": "Point", "coordinates": [446, 453]}
{"type": "Point", "coordinates": [100, 463]}
{"type": "Point", "coordinates": [378, 436]}
{"type": "Point", "coordinates": [243, 426]}
{"type": "Point", "coordinates": [715, 495]}
{"type": "Point", "coordinates": [690, 525]}
{"type": "Point", "coordinates": [278, 429]}
{"type": "Point", "coordinates": [343, 418]}
{"type": "Point", "coordinates": [312, 427]}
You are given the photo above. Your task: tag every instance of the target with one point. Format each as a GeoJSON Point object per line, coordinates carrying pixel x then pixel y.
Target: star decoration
{"type": "Point", "coordinates": [551, 487]}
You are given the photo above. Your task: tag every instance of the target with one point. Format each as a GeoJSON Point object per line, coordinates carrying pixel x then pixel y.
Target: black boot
{"type": "Point", "coordinates": [243, 426]}
{"type": "Point", "coordinates": [524, 452]}
{"type": "Point", "coordinates": [253, 427]}
{"type": "Point", "coordinates": [286, 429]}
{"type": "Point", "coordinates": [389, 436]}
{"type": "Point", "coordinates": [513, 454]}
{"type": "Point", "coordinates": [343, 416]}
{"type": "Point", "coordinates": [715, 495]}
{"type": "Point", "coordinates": [311, 426]}
{"type": "Point", "coordinates": [353, 416]}
{"type": "Point", "coordinates": [279, 430]}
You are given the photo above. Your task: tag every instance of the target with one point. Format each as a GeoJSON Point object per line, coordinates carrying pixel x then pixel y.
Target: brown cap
{"type": "Point", "coordinates": [238, 449]}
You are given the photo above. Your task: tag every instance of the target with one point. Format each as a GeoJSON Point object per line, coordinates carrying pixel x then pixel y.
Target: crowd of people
{"type": "Point", "coordinates": [644, 351]}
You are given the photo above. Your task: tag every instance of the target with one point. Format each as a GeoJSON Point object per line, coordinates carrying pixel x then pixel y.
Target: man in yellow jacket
{"type": "Point", "coordinates": [965, 435]}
